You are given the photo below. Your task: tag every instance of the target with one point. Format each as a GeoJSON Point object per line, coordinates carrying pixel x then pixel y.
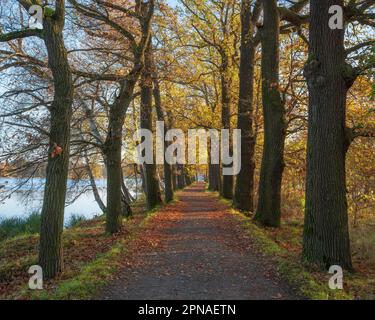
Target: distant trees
{"type": "Point", "coordinates": [217, 28]}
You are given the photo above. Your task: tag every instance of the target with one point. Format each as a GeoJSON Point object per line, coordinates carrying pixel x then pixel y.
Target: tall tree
{"type": "Point", "coordinates": [52, 215]}
{"type": "Point", "coordinates": [329, 77]}
{"type": "Point", "coordinates": [326, 233]}
{"type": "Point", "coordinates": [268, 210]}
{"type": "Point", "coordinates": [151, 180]}
{"type": "Point", "coordinates": [162, 116]}
{"type": "Point", "coordinates": [244, 191]}
{"type": "Point", "coordinates": [226, 99]}
{"type": "Point", "coordinates": [142, 14]}
{"type": "Point", "coordinates": [269, 192]}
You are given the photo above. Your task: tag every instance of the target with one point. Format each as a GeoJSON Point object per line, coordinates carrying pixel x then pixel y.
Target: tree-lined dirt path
{"type": "Point", "coordinates": [194, 249]}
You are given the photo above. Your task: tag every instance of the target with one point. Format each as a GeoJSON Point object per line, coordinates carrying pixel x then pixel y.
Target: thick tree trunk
{"type": "Point", "coordinates": [113, 144]}
{"type": "Point", "coordinates": [114, 174]}
{"type": "Point", "coordinates": [152, 184]}
{"type": "Point", "coordinates": [112, 153]}
{"type": "Point", "coordinates": [214, 177]}
{"type": "Point", "coordinates": [211, 180]}
{"type": "Point", "coordinates": [243, 197]}
{"type": "Point", "coordinates": [326, 235]}
{"type": "Point", "coordinates": [52, 215]}
{"type": "Point", "coordinates": [168, 189]}
{"type": "Point", "coordinates": [268, 210]}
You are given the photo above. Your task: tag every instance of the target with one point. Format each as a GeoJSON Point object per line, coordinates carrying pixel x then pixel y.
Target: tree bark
{"type": "Point", "coordinates": [214, 177]}
{"type": "Point", "coordinates": [152, 184]}
{"type": "Point", "coordinates": [326, 235]}
{"type": "Point", "coordinates": [113, 143]}
{"type": "Point", "coordinates": [268, 210]}
{"type": "Point", "coordinates": [112, 153]}
{"type": "Point", "coordinates": [243, 197]}
{"type": "Point", "coordinates": [52, 215]}
{"type": "Point", "coordinates": [114, 174]}
{"type": "Point", "coordinates": [168, 190]}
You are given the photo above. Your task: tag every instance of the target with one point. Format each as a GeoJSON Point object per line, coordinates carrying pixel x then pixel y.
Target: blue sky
{"type": "Point", "coordinates": [172, 3]}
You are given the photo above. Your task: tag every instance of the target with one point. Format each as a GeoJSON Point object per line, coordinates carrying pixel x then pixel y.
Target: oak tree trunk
{"type": "Point", "coordinates": [243, 196]}
{"type": "Point", "coordinates": [152, 184]}
{"type": "Point", "coordinates": [52, 215]}
{"type": "Point", "coordinates": [114, 173]}
{"type": "Point", "coordinates": [326, 234]}
{"type": "Point", "coordinates": [268, 210]}
{"type": "Point", "coordinates": [214, 177]}
{"type": "Point", "coordinates": [112, 153]}
{"type": "Point", "coordinates": [168, 192]}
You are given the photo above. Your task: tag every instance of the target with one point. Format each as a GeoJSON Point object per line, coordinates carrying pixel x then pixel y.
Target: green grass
{"type": "Point", "coordinates": [305, 280]}
{"type": "Point", "coordinates": [92, 277]}
{"type": "Point", "coordinates": [15, 226]}
{"type": "Point", "coordinates": [283, 246]}
{"type": "Point", "coordinates": [75, 220]}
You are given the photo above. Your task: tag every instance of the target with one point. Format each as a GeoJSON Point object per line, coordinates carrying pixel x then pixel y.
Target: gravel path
{"type": "Point", "coordinates": [195, 250]}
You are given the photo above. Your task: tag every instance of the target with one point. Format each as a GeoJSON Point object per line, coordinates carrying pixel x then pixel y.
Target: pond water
{"type": "Point", "coordinates": [29, 196]}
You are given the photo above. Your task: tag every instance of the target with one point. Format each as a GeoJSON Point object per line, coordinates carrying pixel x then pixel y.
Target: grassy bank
{"type": "Point", "coordinates": [17, 226]}
{"type": "Point", "coordinates": [284, 245]}
{"type": "Point", "coordinates": [91, 259]}
{"type": "Point", "coordinates": [11, 227]}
